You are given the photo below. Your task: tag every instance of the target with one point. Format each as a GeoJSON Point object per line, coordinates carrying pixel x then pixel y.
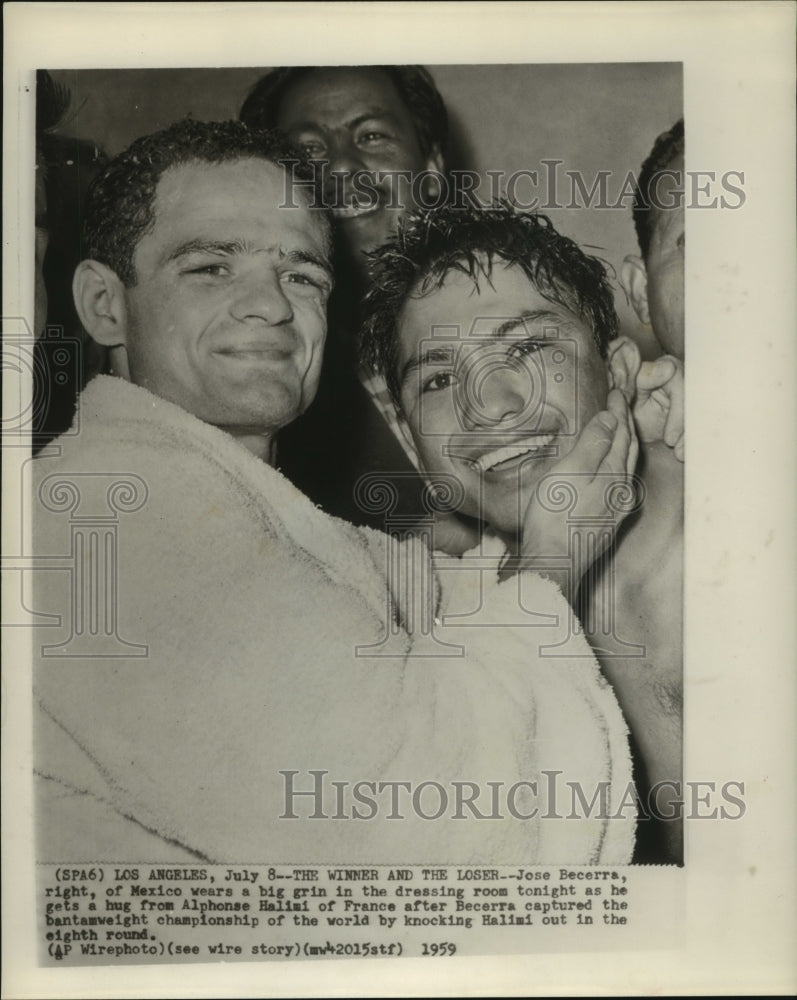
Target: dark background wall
{"type": "Point", "coordinates": [593, 117]}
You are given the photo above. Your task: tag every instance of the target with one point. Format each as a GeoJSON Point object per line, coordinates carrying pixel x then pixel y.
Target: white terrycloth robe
{"type": "Point", "coordinates": [251, 603]}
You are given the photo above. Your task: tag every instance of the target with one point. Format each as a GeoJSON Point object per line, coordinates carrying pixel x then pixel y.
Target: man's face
{"type": "Point", "coordinates": [496, 384]}
{"type": "Point", "coordinates": [228, 315]}
{"type": "Point", "coordinates": [355, 119]}
{"type": "Point", "coordinates": [665, 265]}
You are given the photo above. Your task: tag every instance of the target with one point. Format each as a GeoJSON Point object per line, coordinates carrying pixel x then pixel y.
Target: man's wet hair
{"type": "Point", "coordinates": [432, 244]}
{"type": "Point", "coordinates": [666, 148]}
{"type": "Point", "coordinates": [121, 200]}
{"type": "Point", "coordinates": [414, 84]}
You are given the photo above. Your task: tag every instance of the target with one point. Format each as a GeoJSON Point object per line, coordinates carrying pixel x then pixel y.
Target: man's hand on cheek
{"type": "Point", "coordinates": [659, 407]}
{"type": "Point", "coordinates": [597, 475]}
{"type": "Point", "coordinates": [624, 362]}
{"type": "Point", "coordinates": [655, 391]}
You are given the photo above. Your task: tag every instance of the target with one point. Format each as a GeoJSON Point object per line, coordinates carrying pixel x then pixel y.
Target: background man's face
{"type": "Point", "coordinates": [665, 266]}
{"type": "Point", "coordinates": [355, 119]}
{"type": "Point", "coordinates": [497, 382]}
{"type": "Point", "coordinates": [228, 315]}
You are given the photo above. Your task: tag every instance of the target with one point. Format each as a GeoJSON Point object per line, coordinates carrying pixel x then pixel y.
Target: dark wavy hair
{"type": "Point", "coordinates": [120, 207]}
{"type": "Point", "coordinates": [429, 245]}
{"type": "Point", "coordinates": [414, 84]}
{"type": "Point", "coordinates": [666, 148]}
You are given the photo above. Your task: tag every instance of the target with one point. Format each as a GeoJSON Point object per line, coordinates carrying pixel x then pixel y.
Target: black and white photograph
{"type": "Point", "coordinates": [368, 590]}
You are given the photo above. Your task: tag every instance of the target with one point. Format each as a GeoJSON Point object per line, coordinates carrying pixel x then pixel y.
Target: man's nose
{"type": "Point", "coordinates": [344, 154]}
{"type": "Point", "coordinates": [343, 160]}
{"type": "Point", "coordinates": [262, 297]}
{"type": "Point", "coordinates": [500, 393]}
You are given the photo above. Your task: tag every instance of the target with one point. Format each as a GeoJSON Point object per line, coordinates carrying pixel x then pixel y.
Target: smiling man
{"type": "Point", "coordinates": [378, 131]}
{"type": "Point", "coordinates": [481, 406]}
{"type": "Point", "coordinates": [215, 642]}
{"type": "Point", "coordinates": [495, 335]}
{"type": "Point", "coordinates": [220, 308]}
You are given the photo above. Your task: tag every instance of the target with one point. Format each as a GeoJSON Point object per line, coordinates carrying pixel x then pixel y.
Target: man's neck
{"type": "Point", "coordinates": [262, 446]}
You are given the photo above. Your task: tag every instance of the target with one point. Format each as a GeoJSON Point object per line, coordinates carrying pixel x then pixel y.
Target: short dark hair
{"type": "Point", "coordinates": [52, 102]}
{"type": "Point", "coordinates": [431, 244]}
{"type": "Point", "coordinates": [63, 161]}
{"type": "Point", "coordinates": [66, 164]}
{"type": "Point", "coordinates": [120, 207]}
{"type": "Point", "coordinates": [666, 148]}
{"type": "Point", "coordinates": [414, 84]}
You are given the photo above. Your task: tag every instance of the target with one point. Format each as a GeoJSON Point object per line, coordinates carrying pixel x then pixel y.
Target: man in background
{"type": "Point", "coordinates": [378, 136]}
{"type": "Point", "coordinates": [654, 281]}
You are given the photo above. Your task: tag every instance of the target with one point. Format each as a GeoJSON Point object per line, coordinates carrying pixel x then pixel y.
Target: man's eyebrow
{"type": "Point", "coordinates": [369, 115]}
{"type": "Point", "coordinates": [435, 355]}
{"type": "Point", "coordinates": [444, 355]}
{"type": "Point", "coordinates": [309, 125]}
{"type": "Point", "coordinates": [225, 248]}
{"type": "Point", "coordinates": [308, 257]}
{"type": "Point", "coordinates": [527, 316]}
{"type": "Point", "coordinates": [302, 126]}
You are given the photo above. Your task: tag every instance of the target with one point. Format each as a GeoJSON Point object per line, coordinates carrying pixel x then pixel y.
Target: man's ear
{"type": "Point", "coordinates": [100, 302]}
{"type": "Point", "coordinates": [624, 361]}
{"type": "Point", "coordinates": [634, 279]}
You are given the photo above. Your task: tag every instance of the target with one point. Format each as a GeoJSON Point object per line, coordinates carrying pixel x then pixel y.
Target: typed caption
{"type": "Point", "coordinates": [140, 914]}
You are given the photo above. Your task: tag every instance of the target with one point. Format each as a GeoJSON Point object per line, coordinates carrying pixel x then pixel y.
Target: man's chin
{"type": "Point", "coordinates": [503, 511]}
{"type": "Point", "coordinates": [502, 515]}
{"type": "Point", "coordinates": [268, 414]}
{"type": "Point", "coordinates": [363, 234]}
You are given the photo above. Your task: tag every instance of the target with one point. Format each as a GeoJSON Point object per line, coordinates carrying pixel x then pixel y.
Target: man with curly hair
{"type": "Point", "coordinates": [496, 337]}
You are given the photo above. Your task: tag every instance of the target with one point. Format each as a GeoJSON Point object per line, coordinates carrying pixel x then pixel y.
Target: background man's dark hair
{"type": "Point", "coordinates": [121, 200]}
{"type": "Point", "coordinates": [666, 148]}
{"type": "Point", "coordinates": [52, 103]}
{"type": "Point", "coordinates": [414, 84]}
{"type": "Point", "coordinates": [432, 244]}
{"type": "Point", "coordinates": [65, 166]}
